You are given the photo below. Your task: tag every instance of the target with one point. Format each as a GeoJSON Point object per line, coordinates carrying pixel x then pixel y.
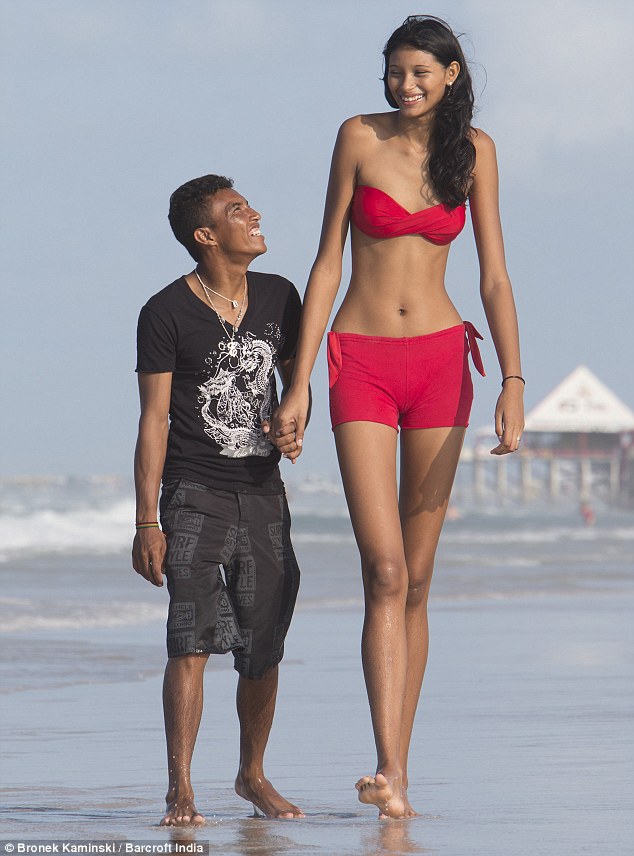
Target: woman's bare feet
{"type": "Point", "coordinates": [181, 811]}
{"type": "Point", "coordinates": [384, 793]}
{"type": "Point", "coordinates": [407, 806]}
{"type": "Point", "coordinates": [264, 797]}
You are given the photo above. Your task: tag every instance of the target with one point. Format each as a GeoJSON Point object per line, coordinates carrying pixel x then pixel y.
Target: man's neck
{"type": "Point", "coordinates": [225, 278]}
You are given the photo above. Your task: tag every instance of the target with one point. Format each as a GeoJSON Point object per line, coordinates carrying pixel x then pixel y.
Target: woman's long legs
{"type": "Point", "coordinates": [397, 539]}
{"type": "Point", "coordinates": [429, 458]}
{"type": "Point", "coordinates": [367, 458]}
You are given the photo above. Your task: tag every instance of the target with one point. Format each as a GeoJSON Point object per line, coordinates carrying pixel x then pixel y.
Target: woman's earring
{"type": "Point", "coordinates": [450, 93]}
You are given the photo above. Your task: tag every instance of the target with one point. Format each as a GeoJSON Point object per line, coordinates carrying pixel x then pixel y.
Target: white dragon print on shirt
{"type": "Point", "coordinates": [239, 395]}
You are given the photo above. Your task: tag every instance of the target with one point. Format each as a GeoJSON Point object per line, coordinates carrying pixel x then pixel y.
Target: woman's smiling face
{"type": "Point", "coordinates": [417, 81]}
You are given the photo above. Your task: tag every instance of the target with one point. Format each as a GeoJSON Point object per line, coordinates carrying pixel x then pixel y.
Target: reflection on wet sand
{"type": "Point", "coordinates": [266, 837]}
{"type": "Point", "coordinates": [393, 837]}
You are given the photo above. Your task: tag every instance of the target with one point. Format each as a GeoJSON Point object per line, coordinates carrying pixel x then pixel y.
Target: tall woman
{"type": "Point", "coordinates": [398, 354]}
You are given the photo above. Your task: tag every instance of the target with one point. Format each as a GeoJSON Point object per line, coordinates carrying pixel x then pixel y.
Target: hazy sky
{"type": "Point", "coordinates": [109, 106]}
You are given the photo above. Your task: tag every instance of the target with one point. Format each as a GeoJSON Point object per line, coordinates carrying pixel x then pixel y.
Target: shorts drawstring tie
{"type": "Point", "coordinates": [335, 360]}
{"type": "Point", "coordinates": [472, 339]}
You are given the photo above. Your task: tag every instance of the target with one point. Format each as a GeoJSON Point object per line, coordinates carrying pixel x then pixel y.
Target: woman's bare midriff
{"type": "Point", "coordinates": [397, 288]}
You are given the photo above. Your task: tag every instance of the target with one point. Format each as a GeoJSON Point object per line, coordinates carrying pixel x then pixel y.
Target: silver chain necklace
{"type": "Point", "coordinates": [234, 326]}
{"type": "Point", "coordinates": [234, 303]}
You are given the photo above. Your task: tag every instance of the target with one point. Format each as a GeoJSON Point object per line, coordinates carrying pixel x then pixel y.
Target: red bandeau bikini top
{"type": "Point", "coordinates": [376, 214]}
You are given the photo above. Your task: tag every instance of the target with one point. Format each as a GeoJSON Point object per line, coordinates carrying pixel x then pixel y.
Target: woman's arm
{"type": "Point", "coordinates": [325, 275]}
{"type": "Point", "coordinates": [284, 437]}
{"type": "Point", "coordinates": [496, 293]}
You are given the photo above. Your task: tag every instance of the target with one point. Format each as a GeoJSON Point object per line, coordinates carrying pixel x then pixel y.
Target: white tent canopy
{"type": "Point", "coordinates": [581, 404]}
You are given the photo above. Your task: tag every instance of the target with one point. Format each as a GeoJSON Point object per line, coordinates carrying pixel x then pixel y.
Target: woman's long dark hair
{"type": "Point", "coordinates": [451, 151]}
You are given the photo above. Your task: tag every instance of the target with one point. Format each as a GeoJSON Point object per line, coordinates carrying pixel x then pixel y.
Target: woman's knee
{"type": "Point", "coordinates": [385, 579]}
{"type": "Point", "coordinates": [419, 582]}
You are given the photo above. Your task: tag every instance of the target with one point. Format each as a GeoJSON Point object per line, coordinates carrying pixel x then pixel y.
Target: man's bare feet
{"type": "Point", "coordinates": [264, 797]}
{"type": "Point", "coordinates": [181, 811]}
{"type": "Point", "coordinates": [382, 792]}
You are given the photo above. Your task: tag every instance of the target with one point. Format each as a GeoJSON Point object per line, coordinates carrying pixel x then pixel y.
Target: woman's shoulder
{"type": "Point", "coordinates": [482, 142]}
{"type": "Point", "coordinates": [485, 167]}
{"type": "Point", "coordinates": [365, 125]}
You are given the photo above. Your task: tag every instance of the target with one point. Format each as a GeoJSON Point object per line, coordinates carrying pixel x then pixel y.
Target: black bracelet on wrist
{"type": "Point", "coordinates": [516, 376]}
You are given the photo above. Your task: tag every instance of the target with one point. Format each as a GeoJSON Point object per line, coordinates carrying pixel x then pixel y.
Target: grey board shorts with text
{"type": "Point", "coordinates": [248, 608]}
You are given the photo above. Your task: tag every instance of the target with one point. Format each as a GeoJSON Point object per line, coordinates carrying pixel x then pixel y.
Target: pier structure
{"type": "Point", "coordinates": [578, 445]}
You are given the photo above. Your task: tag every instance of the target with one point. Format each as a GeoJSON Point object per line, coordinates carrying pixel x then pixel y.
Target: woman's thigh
{"type": "Point", "coordinates": [429, 458]}
{"type": "Point", "coordinates": [367, 460]}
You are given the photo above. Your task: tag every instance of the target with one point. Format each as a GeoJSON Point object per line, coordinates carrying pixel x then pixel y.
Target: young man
{"type": "Point", "coordinates": [207, 347]}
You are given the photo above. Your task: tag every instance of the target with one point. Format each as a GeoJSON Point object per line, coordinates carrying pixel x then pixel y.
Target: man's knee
{"type": "Point", "coordinates": [259, 667]}
{"type": "Point", "coordinates": [264, 675]}
{"type": "Point", "coordinates": [187, 664]}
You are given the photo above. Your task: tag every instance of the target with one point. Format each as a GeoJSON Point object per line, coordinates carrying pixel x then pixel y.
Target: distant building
{"type": "Point", "coordinates": [580, 416]}
{"type": "Point", "coordinates": [578, 444]}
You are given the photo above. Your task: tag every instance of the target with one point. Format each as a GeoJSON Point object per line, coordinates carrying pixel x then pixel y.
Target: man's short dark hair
{"type": "Point", "coordinates": [188, 208]}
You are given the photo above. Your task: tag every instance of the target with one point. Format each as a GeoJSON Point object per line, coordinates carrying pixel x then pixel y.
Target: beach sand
{"type": "Point", "coordinates": [523, 741]}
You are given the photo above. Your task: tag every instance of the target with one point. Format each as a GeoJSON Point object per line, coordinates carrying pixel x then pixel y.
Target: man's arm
{"type": "Point", "coordinates": [148, 550]}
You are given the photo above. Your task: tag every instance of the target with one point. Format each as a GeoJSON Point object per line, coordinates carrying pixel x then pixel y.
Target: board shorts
{"type": "Point", "coordinates": [248, 608]}
{"type": "Point", "coordinates": [411, 382]}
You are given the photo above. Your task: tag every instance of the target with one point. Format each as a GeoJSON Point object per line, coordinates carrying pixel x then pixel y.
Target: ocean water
{"type": "Point", "coordinates": [524, 736]}
{"type": "Point", "coordinates": [65, 546]}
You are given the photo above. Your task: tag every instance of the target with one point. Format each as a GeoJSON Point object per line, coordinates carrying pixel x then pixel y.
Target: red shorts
{"type": "Point", "coordinates": [417, 382]}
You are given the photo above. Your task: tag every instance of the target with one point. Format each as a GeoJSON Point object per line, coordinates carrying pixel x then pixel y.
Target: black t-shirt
{"type": "Point", "coordinates": [222, 389]}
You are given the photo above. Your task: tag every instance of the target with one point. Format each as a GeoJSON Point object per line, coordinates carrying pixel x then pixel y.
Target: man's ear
{"type": "Point", "coordinates": [204, 235]}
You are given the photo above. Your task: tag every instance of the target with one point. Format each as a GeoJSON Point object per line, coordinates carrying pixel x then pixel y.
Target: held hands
{"type": "Point", "coordinates": [148, 554]}
{"type": "Point", "coordinates": [286, 428]}
{"type": "Point", "coordinates": [284, 439]}
{"type": "Point", "coordinates": [509, 417]}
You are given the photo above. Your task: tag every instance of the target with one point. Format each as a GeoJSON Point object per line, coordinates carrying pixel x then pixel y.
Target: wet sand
{"type": "Point", "coordinates": [523, 743]}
